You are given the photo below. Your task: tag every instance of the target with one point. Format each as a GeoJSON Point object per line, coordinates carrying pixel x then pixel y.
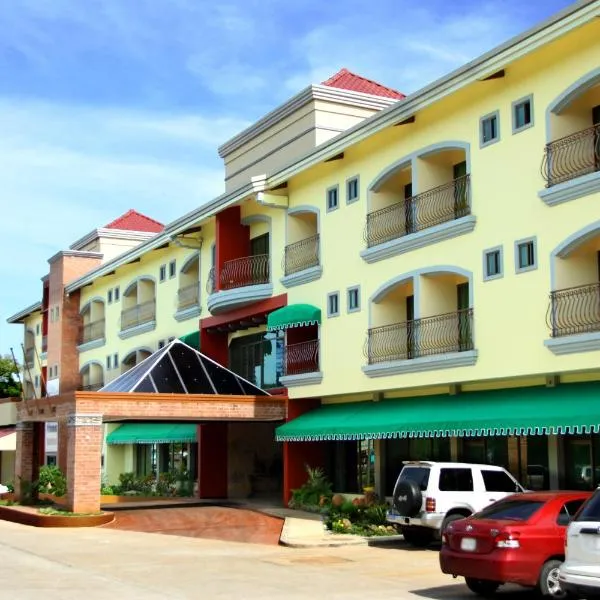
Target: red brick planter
{"type": "Point", "coordinates": [30, 515]}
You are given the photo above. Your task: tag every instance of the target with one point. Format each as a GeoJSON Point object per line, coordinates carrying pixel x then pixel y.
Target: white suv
{"type": "Point", "coordinates": [579, 574]}
{"type": "Point", "coordinates": [429, 495]}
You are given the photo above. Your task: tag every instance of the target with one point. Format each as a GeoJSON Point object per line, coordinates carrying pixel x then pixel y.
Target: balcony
{"type": "Point", "coordinates": [421, 344]}
{"type": "Point", "coordinates": [434, 215]}
{"type": "Point", "coordinates": [301, 261]}
{"type": "Point", "coordinates": [242, 281]}
{"type": "Point", "coordinates": [44, 344]}
{"type": "Point", "coordinates": [93, 331]}
{"type": "Point", "coordinates": [138, 319]}
{"type": "Point", "coordinates": [301, 364]}
{"type": "Point", "coordinates": [91, 387]}
{"type": "Point", "coordinates": [573, 318]}
{"type": "Point", "coordinates": [188, 302]}
{"type": "Point", "coordinates": [30, 357]}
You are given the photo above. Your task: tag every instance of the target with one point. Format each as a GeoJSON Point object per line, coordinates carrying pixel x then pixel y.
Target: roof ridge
{"type": "Point", "coordinates": [359, 83]}
{"type": "Point", "coordinates": [132, 213]}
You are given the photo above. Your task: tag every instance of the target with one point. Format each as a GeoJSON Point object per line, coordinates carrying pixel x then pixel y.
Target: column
{"type": "Point", "coordinates": [62, 443]}
{"type": "Point", "coordinates": [24, 460]}
{"type": "Point", "coordinates": [212, 460]}
{"type": "Point", "coordinates": [84, 453]}
{"type": "Point", "coordinates": [380, 458]}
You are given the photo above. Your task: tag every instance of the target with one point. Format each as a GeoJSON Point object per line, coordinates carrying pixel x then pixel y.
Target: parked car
{"type": "Point", "coordinates": [430, 495]}
{"type": "Point", "coordinates": [579, 575]}
{"type": "Point", "coordinates": [519, 539]}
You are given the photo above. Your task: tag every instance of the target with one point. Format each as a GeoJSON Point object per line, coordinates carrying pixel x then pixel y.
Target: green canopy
{"type": "Point", "coordinates": [568, 408]}
{"type": "Point", "coordinates": [192, 339]}
{"type": "Point", "coordinates": [153, 433]}
{"type": "Point", "coordinates": [293, 315]}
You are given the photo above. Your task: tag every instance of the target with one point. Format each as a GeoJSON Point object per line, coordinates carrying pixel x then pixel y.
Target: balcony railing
{"type": "Point", "coordinates": [302, 358]}
{"type": "Point", "coordinates": [572, 156]}
{"type": "Point", "coordinates": [44, 343]}
{"type": "Point", "coordinates": [574, 310]}
{"type": "Point", "coordinates": [442, 334]}
{"type": "Point", "coordinates": [301, 255]}
{"type": "Point", "coordinates": [444, 203]}
{"type": "Point", "coordinates": [91, 387]}
{"type": "Point", "coordinates": [30, 356]}
{"type": "Point", "coordinates": [188, 296]}
{"type": "Point", "coordinates": [92, 331]}
{"type": "Point", "coordinates": [241, 272]}
{"type": "Point", "coordinates": [138, 314]}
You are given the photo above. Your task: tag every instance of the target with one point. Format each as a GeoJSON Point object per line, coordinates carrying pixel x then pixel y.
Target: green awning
{"type": "Point", "coordinates": [153, 433]}
{"type": "Point", "coordinates": [293, 315]}
{"type": "Point", "coordinates": [192, 339]}
{"type": "Point", "coordinates": [567, 408]}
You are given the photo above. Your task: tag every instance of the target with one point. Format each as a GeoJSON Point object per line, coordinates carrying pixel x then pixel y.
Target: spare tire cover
{"type": "Point", "coordinates": [408, 498]}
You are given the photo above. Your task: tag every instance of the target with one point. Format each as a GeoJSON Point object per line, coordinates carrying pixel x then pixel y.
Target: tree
{"type": "Point", "coordinates": [9, 381]}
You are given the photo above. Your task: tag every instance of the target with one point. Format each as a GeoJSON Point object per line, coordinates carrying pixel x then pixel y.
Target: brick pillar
{"type": "Point", "coordinates": [62, 444]}
{"type": "Point", "coordinates": [24, 458]}
{"type": "Point", "coordinates": [212, 460]}
{"type": "Point", "coordinates": [83, 462]}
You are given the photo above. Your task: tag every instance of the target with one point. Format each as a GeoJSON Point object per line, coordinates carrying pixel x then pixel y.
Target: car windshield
{"type": "Point", "coordinates": [510, 510]}
{"type": "Point", "coordinates": [420, 475]}
{"type": "Point", "coordinates": [590, 510]}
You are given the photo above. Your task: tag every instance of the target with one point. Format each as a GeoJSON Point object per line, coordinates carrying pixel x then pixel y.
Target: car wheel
{"type": "Point", "coordinates": [420, 537]}
{"type": "Point", "coordinates": [549, 584]}
{"type": "Point", "coordinates": [482, 587]}
{"type": "Point", "coordinates": [449, 519]}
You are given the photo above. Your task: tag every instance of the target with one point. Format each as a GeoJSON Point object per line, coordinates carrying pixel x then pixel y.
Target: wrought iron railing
{"type": "Point", "coordinates": [241, 272]}
{"type": "Point", "coordinates": [91, 387]}
{"type": "Point", "coordinates": [29, 356]}
{"type": "Point", "coordinates": [444, 203]}
{"type": "Point", "coordinates": [188, 296]}
{"type": "Point", "coordinates": [572, 156]}
{"type": "Point", "coordinates": [138, 314]}
{"type": "Point", "coordinates": [301, 255]}
{"type": "Point", "coordinates": [442, 334]}
{"type": "Point", "coordinates": [574, 310]}
{"type": "Point", "coordinates": [302, 358]}
{"type": "Point", "coordinates": [92, 331]}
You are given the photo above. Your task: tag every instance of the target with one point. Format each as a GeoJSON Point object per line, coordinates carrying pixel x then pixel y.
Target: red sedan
{"type": "Point", "coordinates": [520, 539]}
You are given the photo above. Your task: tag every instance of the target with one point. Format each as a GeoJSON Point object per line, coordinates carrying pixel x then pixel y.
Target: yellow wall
{"type": "Point", "coordinates": [30, 323]}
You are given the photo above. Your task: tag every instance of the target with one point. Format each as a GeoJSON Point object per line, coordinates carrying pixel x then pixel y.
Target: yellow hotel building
{"type": "Point", "coordinates": [419, 274]}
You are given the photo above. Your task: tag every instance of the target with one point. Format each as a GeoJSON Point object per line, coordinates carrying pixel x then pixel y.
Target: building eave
{"type": "Point", "coordinates": [22, 314]}
{"type": "Point", "coordinates": [103, 232]}
{"type": "Point", "coordinates": [77, 253]}
{"type": "Point", "coordinates": [572, 17]}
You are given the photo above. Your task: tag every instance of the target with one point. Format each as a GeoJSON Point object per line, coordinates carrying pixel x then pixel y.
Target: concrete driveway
{"type": "Point", "coordinates": [105, 563]}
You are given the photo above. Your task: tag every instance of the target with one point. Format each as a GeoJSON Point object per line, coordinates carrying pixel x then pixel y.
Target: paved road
{"type": "Point", "coordinates": [105, 563]}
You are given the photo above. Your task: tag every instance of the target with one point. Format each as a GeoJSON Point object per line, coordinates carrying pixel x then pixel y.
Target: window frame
{"type": "Point", "coordinates": [486, 253]}
{"type": "Point", "coordinates": [172, 268]}
{"type": "Point", "coordinates": [492, 115]}
{"type": "Point", "coordinates": [355, 179]}
{"type": "Point", "coordinates": [351, 290]}
{"type": "Point", "coordinates": [514, 106]}
{"type": "Point", "coordinates": [334, 188]}
{"type": "Point", "coordinates": [518, 244]}
{"type": "Point", "coordinates": [117, 293]}
{"type": "Point", "coordinates": [109, 296]}
{"type": "Point", "coordinates": [115, 360]}
{"type": "Point", "coordinates": [330, 296]}
{"type": "Point", "coordinates": [108, 362]}
{"type": "Point", "coordinates": [162, 273]}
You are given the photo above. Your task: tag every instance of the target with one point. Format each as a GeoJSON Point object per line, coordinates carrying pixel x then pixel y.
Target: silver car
{"type": "Point", "coordinates": [579, 574]}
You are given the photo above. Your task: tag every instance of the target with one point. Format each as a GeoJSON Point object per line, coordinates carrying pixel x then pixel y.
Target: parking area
{"type": "Point", "coordinates": [104, 562]}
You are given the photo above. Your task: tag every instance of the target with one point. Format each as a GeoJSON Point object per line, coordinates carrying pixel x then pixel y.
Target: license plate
{"type": "Point", "coordinates": [468, 544]}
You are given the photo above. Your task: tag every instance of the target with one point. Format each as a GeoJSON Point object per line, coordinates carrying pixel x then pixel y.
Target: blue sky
{"type": "Point", "coordinates": [107, 105]}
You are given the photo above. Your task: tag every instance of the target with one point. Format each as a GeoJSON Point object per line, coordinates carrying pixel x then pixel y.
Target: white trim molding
{"type": "Point", "coordinates": [224, 300]}
{"type": "Point", "coordinates": [573, 344]}
{"type": "Point", "coordinates": [137, 330]}
{"type": "Point", "coordinates": [300, 277]}
{"type": "Point", "coordinates": [92, 345]}
{"type": "Point", "coordinates": [301, 379]}
{"type": "Point", "coordinates": [566, 191]}
{"type": "Point", "coordinates": [451, 360]}
{"type": "Point", "coordinates": [188, 313]}
{"type": "Point", "coordinates": [420, 239]}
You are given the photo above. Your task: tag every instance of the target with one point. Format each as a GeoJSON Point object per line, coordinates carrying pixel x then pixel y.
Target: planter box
{"type": "Point", "coordinates": [124, 499]}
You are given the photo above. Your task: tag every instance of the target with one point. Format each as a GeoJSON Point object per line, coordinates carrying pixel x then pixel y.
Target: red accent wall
{"type": "Point", "coordinates": [212, 460]}
{"type": "Point", "coordinates": [214, 345]}
{"type": "Point", "coordinates": [296, 455]}
{"type": "Point", "coordinates": [232, 239]}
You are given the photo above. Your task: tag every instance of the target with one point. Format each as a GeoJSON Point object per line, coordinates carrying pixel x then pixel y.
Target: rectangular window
{"type": "Point", "coordinates": [352, 190]}
{"type": "Point", "coordinates": [489, 129]}
{"type": "Point", "coordinates": [522, 114]}
{"type": "Point", "coordinates": [332, 198]}
{"type": "Point", "coordinates": [108, 363]}
{"type": "Point", "coordinates": [333, 304]}
{"type": "Point", "coordinates": [56, 313]}
{"type": "Point", "coordinates": [171, 338]}
{"type": "Point", "coordinates": [257, 359]}
{"type": "Point", "coordinates": [37, 381]}
{"type": "Point", "coordinates": [37, 329]}
{"type": "Point", "coordinates": [109, 296]}
{"type": "Point", "coordinates": [492, 263]}
{"type": "Point", "coordinates": [172, 269]}
{"type": "Point", "coordinates": [525, 255]}
{"type": "Point", "coordinates": [117, 294]}
{"type": "Point", "coordinates": [162, 274]}
{"type": "Point", "coordinates": [161, 344]}
{"type": "Point", "coordinates": [354, 299]}
{"type": "Point", "coordinates": [115, 360]}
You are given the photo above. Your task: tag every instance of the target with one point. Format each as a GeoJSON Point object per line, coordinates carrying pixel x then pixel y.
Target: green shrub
{"type": "Point", "coordinates": [51, 481]}
{"type": "Point", "coordinates": [315, 492]}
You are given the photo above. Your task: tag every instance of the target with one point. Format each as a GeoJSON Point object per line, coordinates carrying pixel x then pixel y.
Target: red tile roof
{"type": "Point", "coordinates": [347, 80]}
{"type": "Point", "coordinates": [135, 221]}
